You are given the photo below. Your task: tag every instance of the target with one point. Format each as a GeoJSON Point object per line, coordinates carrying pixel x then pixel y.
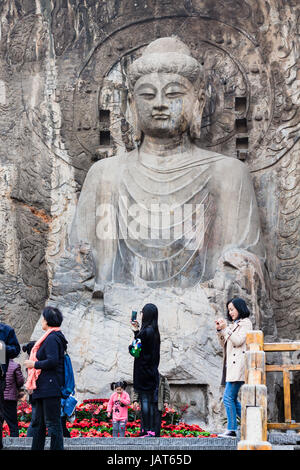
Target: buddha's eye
{"type": "Point", "coordinates": [174, 93]}
{"type": "Point", "coordinates": [147, 96]}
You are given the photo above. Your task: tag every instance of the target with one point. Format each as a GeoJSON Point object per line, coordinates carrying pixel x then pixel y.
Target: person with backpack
{"type": "Point", "coordinates": [68, 400]}
{"type": "Point", "coordinates": [46, 377]}
{"type": "Point", "coordinates": [67, 391]}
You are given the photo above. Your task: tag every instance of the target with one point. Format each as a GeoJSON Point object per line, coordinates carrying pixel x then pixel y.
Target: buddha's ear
{"type": "Point", "coordinates": [137, 133]}
{"type": "Point", "coordinates": [195, 129]}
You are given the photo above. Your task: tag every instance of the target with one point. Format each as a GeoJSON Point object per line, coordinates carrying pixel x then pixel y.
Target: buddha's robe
{"type": "Point", "coordinates": [165, 221]}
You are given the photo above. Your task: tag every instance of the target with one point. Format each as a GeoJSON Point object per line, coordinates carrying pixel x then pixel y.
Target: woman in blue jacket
{"type": "Point", "coordinates": [45, 379]}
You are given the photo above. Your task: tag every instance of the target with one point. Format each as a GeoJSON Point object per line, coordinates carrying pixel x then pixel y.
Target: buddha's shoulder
{"type": "Point", "coordinates": [222, 163]}
{"type": "Point", "coordinates": [231, 165]}
{"type": "Point", "coordinates": [107, 168]}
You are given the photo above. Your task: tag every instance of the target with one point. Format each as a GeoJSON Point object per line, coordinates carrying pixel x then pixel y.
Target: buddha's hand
{"type": "Point", "coordinates": [239, 258]}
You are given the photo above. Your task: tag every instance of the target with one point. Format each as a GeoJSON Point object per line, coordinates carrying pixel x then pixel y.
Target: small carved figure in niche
{"type": "Point", "coordinates": [164, 214]}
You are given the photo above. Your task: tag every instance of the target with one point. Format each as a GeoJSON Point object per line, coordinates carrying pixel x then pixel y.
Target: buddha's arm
{"type": "Point", "coordinates": [94, 222]}
{"type": "Point", "coordinates": [238, 208]}
{"type": "Point", "coordinates": [83, 226]}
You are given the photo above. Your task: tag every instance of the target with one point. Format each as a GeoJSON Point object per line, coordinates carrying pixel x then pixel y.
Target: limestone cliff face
{"type": "Point", "coordinates": [63, 105]}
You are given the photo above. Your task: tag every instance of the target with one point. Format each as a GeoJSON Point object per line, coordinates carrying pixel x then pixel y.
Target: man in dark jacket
{"type": "Point", "coordinates": [9, 348]}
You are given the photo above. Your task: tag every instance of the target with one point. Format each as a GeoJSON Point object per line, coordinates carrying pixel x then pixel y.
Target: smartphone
{"type": "Point", "coordinates": [133, 315]}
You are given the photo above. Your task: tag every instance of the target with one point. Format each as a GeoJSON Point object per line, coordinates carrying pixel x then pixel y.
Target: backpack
{"type": "Point", "coordinates": [68, 388]}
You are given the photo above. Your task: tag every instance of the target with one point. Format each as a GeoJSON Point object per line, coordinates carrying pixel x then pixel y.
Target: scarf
{"type": "Point", "coordinates": [33, 374]}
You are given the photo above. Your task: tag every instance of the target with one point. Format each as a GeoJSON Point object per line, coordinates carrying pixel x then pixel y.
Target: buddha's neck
{"type": "Point", "coordinates": [164, 147]}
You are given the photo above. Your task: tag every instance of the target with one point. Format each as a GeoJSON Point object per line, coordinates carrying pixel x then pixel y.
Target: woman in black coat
{"type": "Point", "coordinates": [145, 370]}
{"type": "Point", "coordinates": [45, 380]}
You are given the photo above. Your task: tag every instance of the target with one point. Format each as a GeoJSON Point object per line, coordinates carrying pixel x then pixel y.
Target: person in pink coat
{"type": "Point", "coordinates": [118, 407]}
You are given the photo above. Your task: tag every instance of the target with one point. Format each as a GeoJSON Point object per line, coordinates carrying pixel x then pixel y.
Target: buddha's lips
{"type": "Point", "coordinates": [160, 116]}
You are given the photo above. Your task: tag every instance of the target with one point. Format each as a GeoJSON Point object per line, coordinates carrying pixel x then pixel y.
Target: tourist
{"type": "Point", "coordinates": [45, 379]}
{"type": "Point", "coordinates": [145, 371]}
{"type": "Point", "coordinates": [233, 340]}
{"type": "Point", "coordinates": [118, 405]}
{"type": "Point", "coordinates": [163, 400]}
{"type": "Point", "coordinates": [9, 349]}
{"type": "Point", "coordinates": [27, 348]}
{"type": "Point", "coordinates": [14, 380]}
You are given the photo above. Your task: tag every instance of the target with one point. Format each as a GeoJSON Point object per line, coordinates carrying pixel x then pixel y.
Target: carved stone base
{"type": "Point", "coordinates": [99, 332]}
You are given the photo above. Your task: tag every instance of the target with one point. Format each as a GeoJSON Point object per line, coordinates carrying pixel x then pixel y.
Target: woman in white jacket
{"type": "Point", "coordinates": [233, 339]}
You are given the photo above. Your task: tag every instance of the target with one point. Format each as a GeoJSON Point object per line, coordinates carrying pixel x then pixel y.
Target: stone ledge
{"type": "Point", "coordinates": [283, 447]}
{"type": "Point", "coordinates": [90, 443]}
{"type": "Point", "coordinates": [284, 438]}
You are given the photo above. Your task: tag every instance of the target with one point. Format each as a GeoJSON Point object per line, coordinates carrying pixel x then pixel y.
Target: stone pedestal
{"type": "Point", "coordinates": [99, 332]}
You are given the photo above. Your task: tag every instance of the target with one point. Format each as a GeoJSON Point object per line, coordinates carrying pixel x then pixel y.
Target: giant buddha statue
{"type": "Point", "coordinates": [164, 213]}
{"type": "Point", "coordinates": [167, 223]}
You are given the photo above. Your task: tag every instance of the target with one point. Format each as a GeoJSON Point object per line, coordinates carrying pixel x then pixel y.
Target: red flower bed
{"type": "Point", "coordinates": [92, 421]}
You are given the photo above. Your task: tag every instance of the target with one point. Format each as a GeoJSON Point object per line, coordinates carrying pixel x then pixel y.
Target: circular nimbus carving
{"type": "Point", "coordinates": [247, 111]}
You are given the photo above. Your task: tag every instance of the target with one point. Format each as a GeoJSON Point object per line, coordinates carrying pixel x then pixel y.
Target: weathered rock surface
{"type": "Point", "coordinates": [98, 330]}
{"type": "Point", "coordinates": [61, 66]}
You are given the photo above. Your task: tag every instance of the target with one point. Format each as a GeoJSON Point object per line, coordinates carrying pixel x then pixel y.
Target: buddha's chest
{"type": "Point", "coordinates": [145, 190]}
{"type": "Point", "coordinates": [170, 211]}
{"type": "Point", "coordinates": [164, 221]}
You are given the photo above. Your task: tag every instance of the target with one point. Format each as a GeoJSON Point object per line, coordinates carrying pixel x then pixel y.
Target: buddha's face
{"type": "Point", "coordinates": [164, 104]}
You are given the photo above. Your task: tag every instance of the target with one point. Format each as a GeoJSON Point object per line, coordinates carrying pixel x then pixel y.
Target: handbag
{"type": "Point", "coordinates": [69, 405]}
{"type": "Point", "coordinates": [20, 393]}
{"type": "Point", "coordinates": [135, 348]}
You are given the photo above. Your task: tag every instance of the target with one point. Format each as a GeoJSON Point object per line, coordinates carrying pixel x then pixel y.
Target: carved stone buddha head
{"type": "Point", "coordinates": [166, 90]}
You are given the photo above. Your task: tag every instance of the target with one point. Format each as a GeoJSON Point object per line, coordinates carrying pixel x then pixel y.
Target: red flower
{"type": "Point", "coordinates": [91, 411]}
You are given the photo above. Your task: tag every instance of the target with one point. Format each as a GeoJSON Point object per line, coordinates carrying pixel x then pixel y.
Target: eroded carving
{"type": "Point", "coordinates": [131, 207]}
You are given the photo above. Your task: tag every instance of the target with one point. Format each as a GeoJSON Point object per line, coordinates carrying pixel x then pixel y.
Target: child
{"type": "Point", "coordinates": [118, 405]}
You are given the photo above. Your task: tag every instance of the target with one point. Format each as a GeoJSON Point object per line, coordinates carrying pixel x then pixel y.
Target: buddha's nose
{"type": "Point", "coordinates": [160, 102]}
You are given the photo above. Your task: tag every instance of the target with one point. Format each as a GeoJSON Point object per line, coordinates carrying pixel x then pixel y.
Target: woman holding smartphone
{"type": "Point", "coordinates": [233, 339]}
{"type": "Point", "coordinates": [145, 369]}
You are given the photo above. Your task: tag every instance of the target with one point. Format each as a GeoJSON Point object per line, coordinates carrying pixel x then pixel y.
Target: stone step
{"type": "Point", "coordinates": [283, 447]}
{"type": "Point", "coordinates": [125, 443]}
{"type": "Point", "coordinates": [279, 441]}
{"type": "Point", "coordinates": [284, 438]}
